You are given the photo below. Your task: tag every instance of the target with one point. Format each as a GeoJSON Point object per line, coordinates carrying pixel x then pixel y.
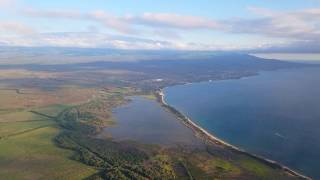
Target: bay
{"type": "Point", "coordinates": [275, 114]}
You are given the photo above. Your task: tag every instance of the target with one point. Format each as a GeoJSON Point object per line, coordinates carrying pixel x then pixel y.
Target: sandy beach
{"type": "Point", "coordinates": [211, 138]}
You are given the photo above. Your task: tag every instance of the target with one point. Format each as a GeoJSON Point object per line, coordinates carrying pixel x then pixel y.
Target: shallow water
{"type": "Point", "coordinates": [275, 114]}
{"type": "Point", "coordinates": [145, 121]}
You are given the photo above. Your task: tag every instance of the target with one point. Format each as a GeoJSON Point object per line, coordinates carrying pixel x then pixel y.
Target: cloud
{"type": "Point", "coordinates": [6, 3]}
{"type": "Point", "coordinates": [111, 21]}
{"type": "Point", "coordinates": [168, 34]}
{"type": "Point", "coordinates": [296, 25]}
{"type": "Point", "coordinates": [108, 20]}
{"type": "Point", "coordinates": [128, 23]}
{"type": "Point", "coordinates": [16, 28]}
{"type": "Point", "coordinates": [303, 25]}
{"type": "Point", "coordinates": [171, 20]}
{"type": "Point", "coordinates": [311, 46]}
{"type": "Point", "coordinates": [52, 13]}
{"type": "Point", "coordinates": [97, 39]}
{"type": "Point", "coordinates": [295, 28]}
{"type": "Point", "coordinates": [86, 39]}
{"type": "Point", "coordinates": [103, 40]}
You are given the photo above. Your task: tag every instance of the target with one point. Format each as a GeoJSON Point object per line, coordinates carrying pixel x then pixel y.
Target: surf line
{"type": "Point", "coordinates": [208, 136]}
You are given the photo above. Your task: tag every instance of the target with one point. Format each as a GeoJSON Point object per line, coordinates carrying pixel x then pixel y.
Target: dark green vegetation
{"type": "Point", "coordinates": [50, 126]}
{"type": "Point", "coordinates": [115, 160]}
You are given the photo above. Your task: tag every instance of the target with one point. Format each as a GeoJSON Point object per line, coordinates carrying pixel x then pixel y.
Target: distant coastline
{"type": "Point", "coordinates": [212, 139]}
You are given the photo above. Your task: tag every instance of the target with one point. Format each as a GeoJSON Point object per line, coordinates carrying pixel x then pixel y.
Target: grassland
{"type": "Point", "coordinates": [33, 155]}
{"type": "Point", "coordinates": [27, 150]}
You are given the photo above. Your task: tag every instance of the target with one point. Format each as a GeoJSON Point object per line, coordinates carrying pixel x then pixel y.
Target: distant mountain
{"type": "Point", "coordinates": [171, 62]}
{"type": "Point", "coordinates": [58, 55]}
{"type": "Point", "coordinates": [169, 70]}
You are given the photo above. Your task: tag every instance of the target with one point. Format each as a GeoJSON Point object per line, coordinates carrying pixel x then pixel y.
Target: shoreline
{"type": "Point", "coordinates": [212, 139]}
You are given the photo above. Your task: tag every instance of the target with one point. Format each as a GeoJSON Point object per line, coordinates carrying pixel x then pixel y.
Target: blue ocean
{"type": "Point", "coordinates": [275, 114]}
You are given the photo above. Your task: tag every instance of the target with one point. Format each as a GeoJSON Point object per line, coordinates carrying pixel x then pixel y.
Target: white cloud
{"type": "Point", "coordinates": [128, 23]}
{"type": "Point", "coordinates": [304, 24]}
{"type": "Point", "coordinates": [293, 27]}
{"type": "Point", "coordinates": [15, 28]}
{"type": "Point", "coordinates": [172, 20]}
{"type": "Point", "coordinates": [108, 20]}
{"type": "Point", "coordinates": [85, 39]}
{"type": "Point", "coordinates": [6, 3]}
{"type": "Point", "coordinates": [102, 40]}
{"type": "Point", "coordinates": [111, 21]}
{"type": "Point", "coordinates": [52, 13]}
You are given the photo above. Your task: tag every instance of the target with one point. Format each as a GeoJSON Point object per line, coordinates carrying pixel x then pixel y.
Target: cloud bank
{"type": "Point", "coordinates": [299, 30]}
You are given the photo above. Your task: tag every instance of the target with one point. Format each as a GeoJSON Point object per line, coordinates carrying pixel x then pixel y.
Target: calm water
{"type": "Point", "coordinates": [275, 114]}
{"type": "Point", "coordinates": [144, 120]}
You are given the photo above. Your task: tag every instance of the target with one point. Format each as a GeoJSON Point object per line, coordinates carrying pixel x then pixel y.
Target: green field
{"type": "Point", "coordinates": [27, 149]}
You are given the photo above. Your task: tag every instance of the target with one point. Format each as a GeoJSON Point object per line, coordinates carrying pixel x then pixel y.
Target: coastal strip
{"type": "Point", "coordinates": [207, 136]}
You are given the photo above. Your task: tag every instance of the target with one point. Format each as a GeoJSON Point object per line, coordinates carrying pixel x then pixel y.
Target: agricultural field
{"type": "Point", "coordinates": [28, 151]}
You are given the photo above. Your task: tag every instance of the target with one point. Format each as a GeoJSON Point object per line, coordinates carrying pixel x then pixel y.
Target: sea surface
{"type": "Point", "coordinates": [146, 121]}
{"type": "Point", "coordinates": [275, 114]}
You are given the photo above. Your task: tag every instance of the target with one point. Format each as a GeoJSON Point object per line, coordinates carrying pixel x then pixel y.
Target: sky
{"type": "Point", "coordinates": [275, 26]}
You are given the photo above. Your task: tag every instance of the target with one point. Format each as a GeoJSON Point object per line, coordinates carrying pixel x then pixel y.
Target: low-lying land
{"type": "Point", "coordinates": [50, 122]}
{"type": "Point", "coordinates": [59, 141]}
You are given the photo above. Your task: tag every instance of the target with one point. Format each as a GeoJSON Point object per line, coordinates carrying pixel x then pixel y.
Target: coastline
{"type": "Point", "coordinates": [212, 139]}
